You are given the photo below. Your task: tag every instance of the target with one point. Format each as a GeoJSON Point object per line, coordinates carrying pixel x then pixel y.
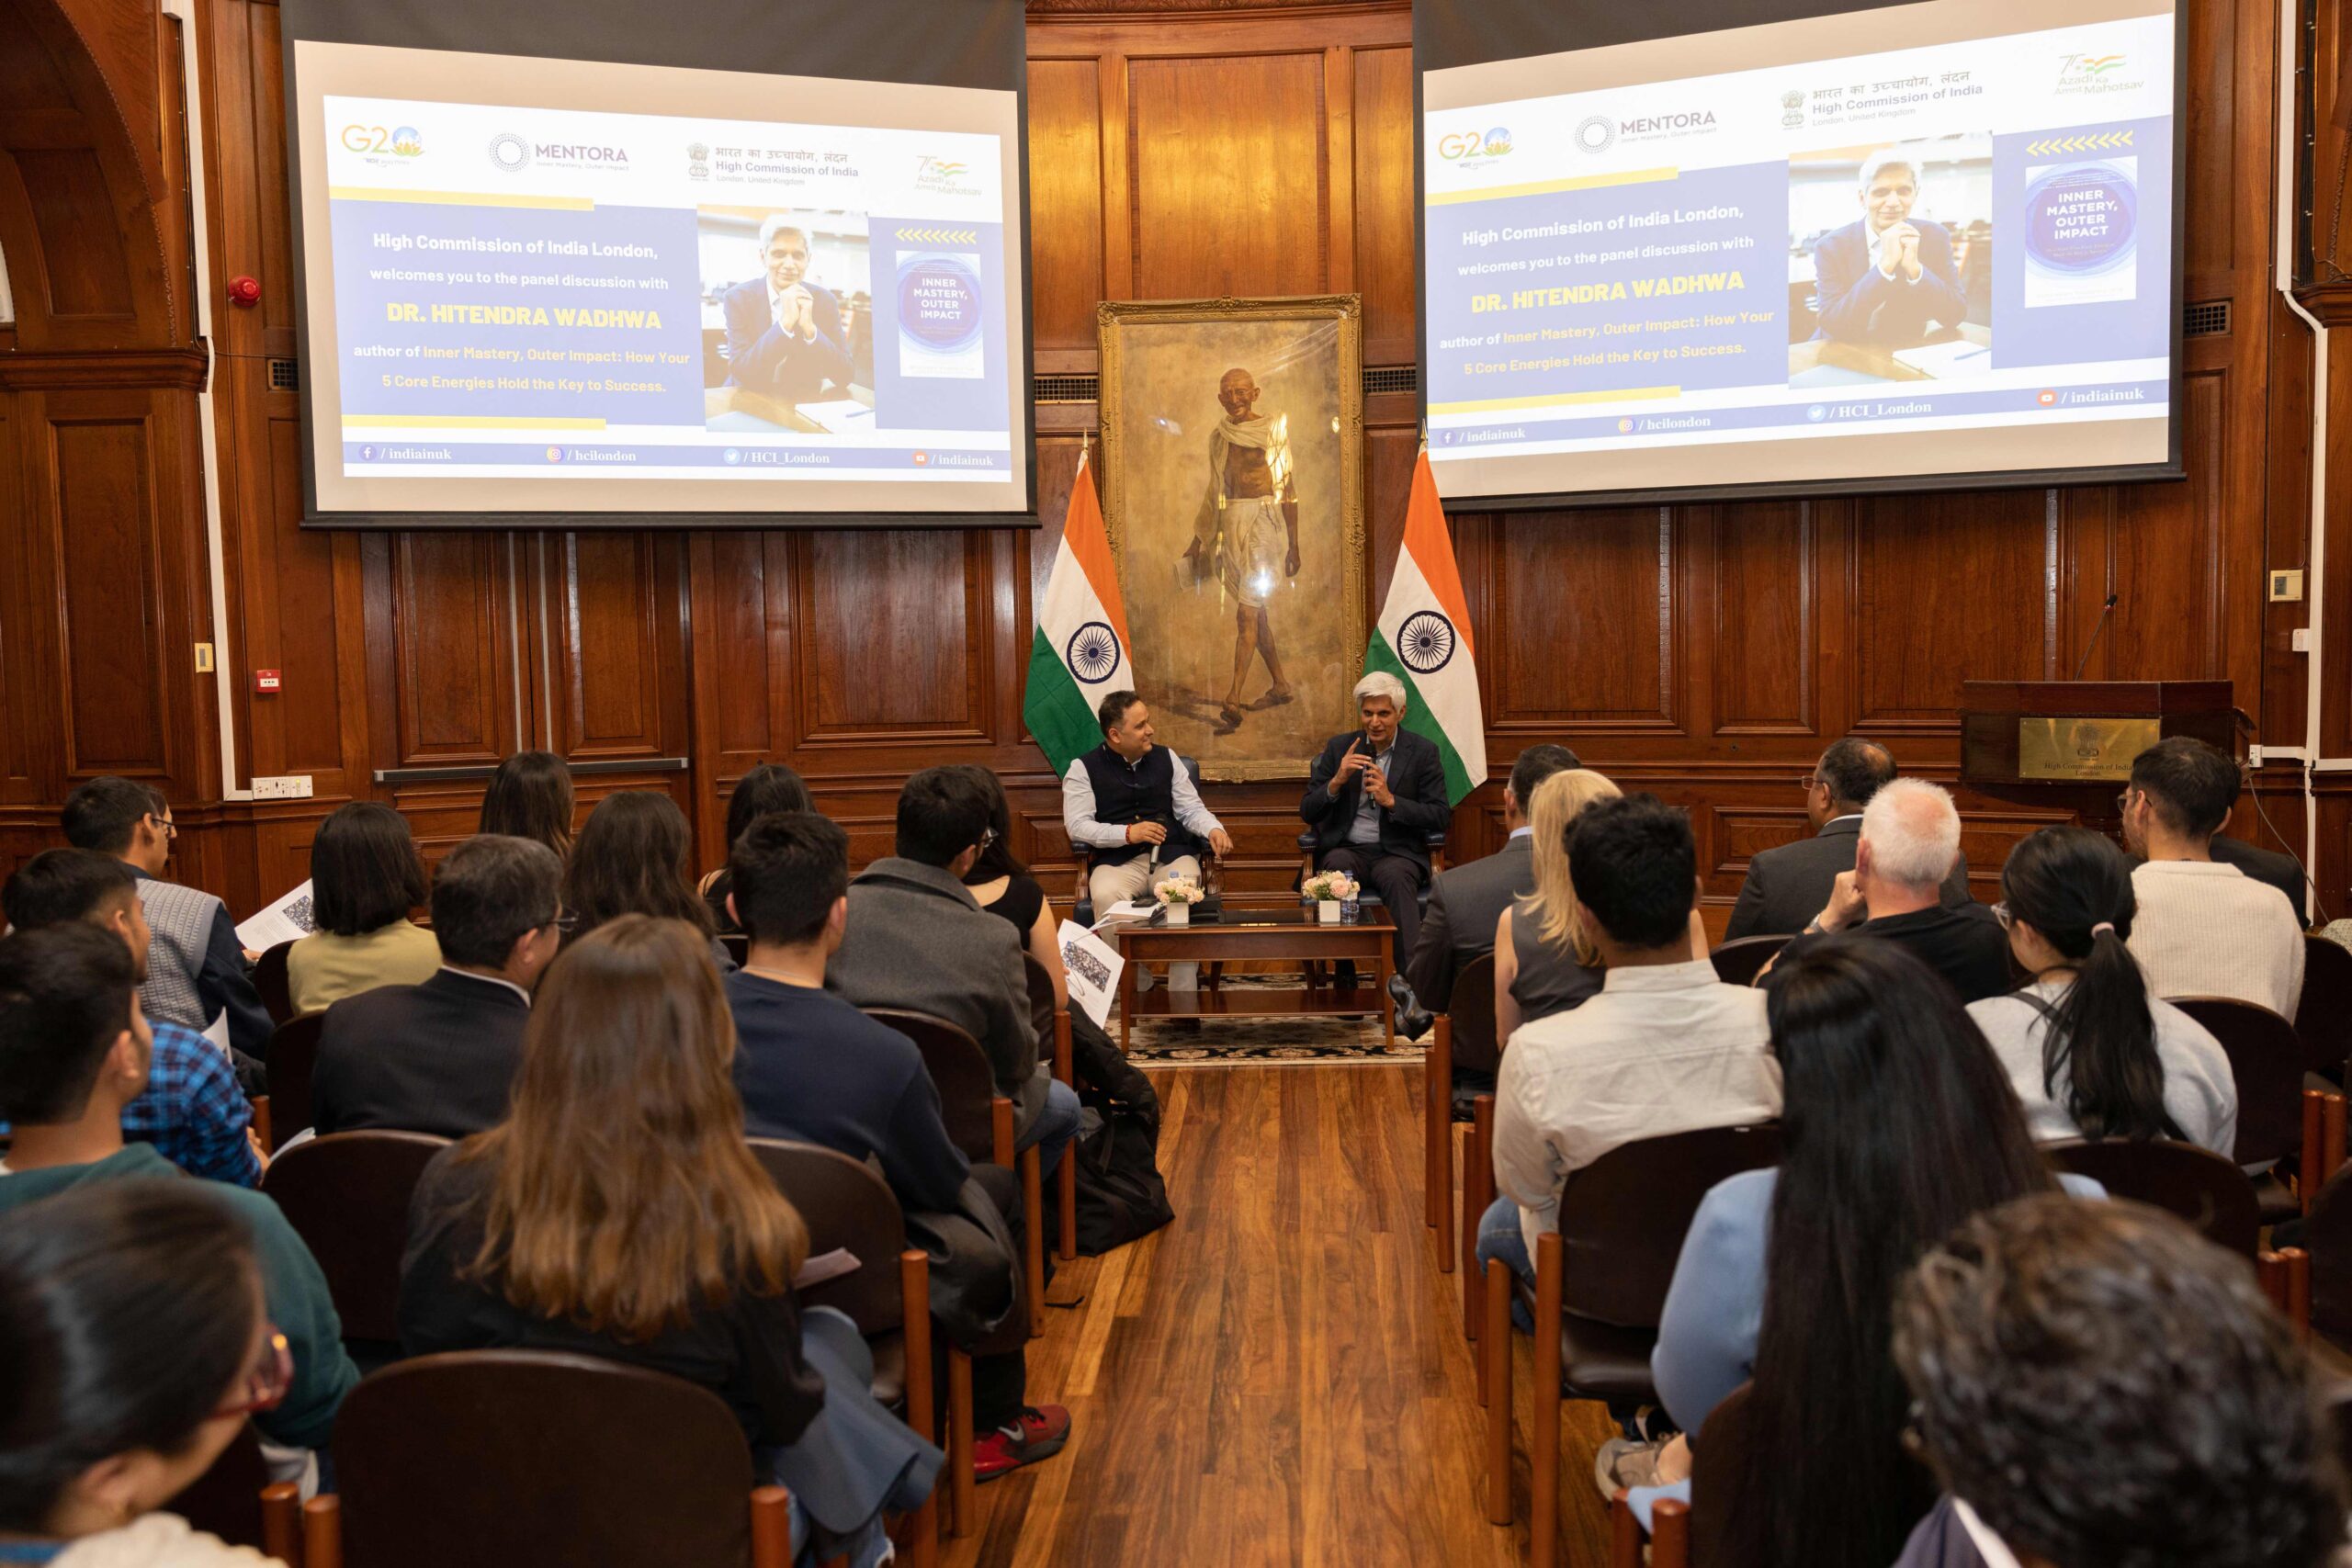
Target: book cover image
{"type": "Point", "coordinates": [2082, 241]}
{"type": "Point", "coordinates": [939, 315]}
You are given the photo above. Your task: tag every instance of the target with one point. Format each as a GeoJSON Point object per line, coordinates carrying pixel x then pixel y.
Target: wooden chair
{"type": "Point", "coordinates": [1600, 1284]}
{"type": "Point", "coordinates": [269, 979]}
{"type": "Point", "coordinates": [1477, 1196]}
{"type": "Point", "coordinates": [346, 1195]}
{"type": "Point", "coordinates": [292, 1055]}
{"type": "Point", "coordinates": [2323, 1013]}
{"type": "Point", "coordinates": [738, 948]}
{"type": "Point", "coordinates": [847, 1206]}
{"type": "Point", "coordinates": [1738, 963]}
{"type": "Point", "coordinates": [1312, 971]}
{"type": "Point", "coordinates": [1687, 1531]}
{"type": "Point", "coordinates": [1081, 893]}
{"type": "Point", "coordinates": [2266, 1060]}
{"type": "Point", "coordinates": [490, 1458]}
{"type": "Point", "coordinates": [980, 1123]}
{"type": "Point", "coordinates": [1464, 1036]}
{"type": "Point", "coordinates": [1054, 1024]}
{"type": "Point", "coordinates": [2199, 1185]}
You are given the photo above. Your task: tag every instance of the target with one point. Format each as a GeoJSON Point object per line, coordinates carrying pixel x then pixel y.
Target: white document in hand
{"type": "Point", "coordinates": [288, 920]}
{"type": "Point", "coordinates": [1093, 965]}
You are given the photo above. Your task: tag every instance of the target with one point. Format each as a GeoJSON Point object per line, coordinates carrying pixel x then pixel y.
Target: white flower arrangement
{"type": "Point", "coordinates": [1182, 890]}
{"type": "Point", "coordinates": [1330, 887]}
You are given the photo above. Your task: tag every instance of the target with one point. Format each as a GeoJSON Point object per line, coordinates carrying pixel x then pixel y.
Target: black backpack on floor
{"type": "Point", "coordinates": [1120, 1197]}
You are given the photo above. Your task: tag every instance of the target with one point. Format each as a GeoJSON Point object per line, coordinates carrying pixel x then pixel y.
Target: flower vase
{"type": "Point", "coordinates": [1327, 910]}
{"type": "Point", "coordinates": [1178, 914]}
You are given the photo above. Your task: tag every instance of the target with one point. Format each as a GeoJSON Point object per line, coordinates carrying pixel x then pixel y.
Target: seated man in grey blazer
{"type": "Point", "coordinates": [1788, 885]}
{"type": "Point", "coordinates": [1466, 902]}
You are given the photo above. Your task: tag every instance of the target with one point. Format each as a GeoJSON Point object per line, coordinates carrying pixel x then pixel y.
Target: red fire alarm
{"type": "Point", "coordinates": [244, 290]}
{"type": "Point", "coordinates": [266, 682]}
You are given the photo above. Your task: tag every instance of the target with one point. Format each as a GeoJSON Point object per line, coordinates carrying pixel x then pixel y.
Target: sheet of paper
{"type": "Point", "coordinates": [1128, 909]}
{"type": "Point", "coordinates": [217, 1031]}
{"type": "Point", "coordinates": [825, 1266]}
{"type": "Point", "coordinates": [1093, 965]}
{"type": "Point", "coordinates": [285, 921]}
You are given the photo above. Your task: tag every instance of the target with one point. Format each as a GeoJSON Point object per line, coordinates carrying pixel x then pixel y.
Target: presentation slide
{"type": "Point", "coordinates": [543, 286]}
{"type": "Point", "coordinates": [1925, 240]}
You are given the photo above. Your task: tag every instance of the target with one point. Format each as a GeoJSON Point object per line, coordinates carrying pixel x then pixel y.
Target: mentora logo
{"type": "Point", "coordinates": [406, 141]}
{"type": "Point", "coordinates": [1597, 134]}
{"type": "Point", "coordinates": [1459, 145]}
{"type": "Point", "coordinates": [509, 151]}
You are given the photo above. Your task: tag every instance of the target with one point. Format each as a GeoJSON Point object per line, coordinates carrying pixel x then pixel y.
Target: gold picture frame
{"type": "Point", "coordinates": [1164, 364]}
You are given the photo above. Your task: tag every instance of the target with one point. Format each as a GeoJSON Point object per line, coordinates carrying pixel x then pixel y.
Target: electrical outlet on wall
{"type": "Point", "coordinates": [282, 786]}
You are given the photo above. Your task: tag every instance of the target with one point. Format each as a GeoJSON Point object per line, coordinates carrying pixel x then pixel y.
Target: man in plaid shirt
{"type": "Point", "coordinates": [192, 1109]}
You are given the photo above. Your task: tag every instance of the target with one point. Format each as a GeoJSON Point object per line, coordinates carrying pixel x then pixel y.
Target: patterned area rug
{"type": "Point", "coordinates": [1282, 1038]}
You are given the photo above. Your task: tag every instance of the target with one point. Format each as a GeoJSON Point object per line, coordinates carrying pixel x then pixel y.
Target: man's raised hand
{"type": "Point", "coordinates": [1351, 764]}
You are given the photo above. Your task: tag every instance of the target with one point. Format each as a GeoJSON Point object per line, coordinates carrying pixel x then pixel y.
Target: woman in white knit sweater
{"type": "Point", "coordinates": [2090, 1052]}
{"type": "Point", "coordinates": [134, 1347]}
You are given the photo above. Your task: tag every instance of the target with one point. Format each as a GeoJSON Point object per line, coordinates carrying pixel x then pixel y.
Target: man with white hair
{"type": "Point", "coordinates": [1887, 279]}
{"type": "Point", "coordinates": [1374, 797]}
{"type": "Point", "coordinates": [1910, 838]}
{"type": "Point", "coordinates": [784, 333]}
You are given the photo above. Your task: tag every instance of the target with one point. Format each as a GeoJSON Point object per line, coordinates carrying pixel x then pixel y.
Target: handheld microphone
{"type": "Point", "coordinates": [2096, 632]}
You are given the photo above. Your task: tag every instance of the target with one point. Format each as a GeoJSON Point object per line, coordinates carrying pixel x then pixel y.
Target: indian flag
{"type": "Point", "coordinates": [1079, 654]}
{"type": "Point", "coordinates": [1423, 639]}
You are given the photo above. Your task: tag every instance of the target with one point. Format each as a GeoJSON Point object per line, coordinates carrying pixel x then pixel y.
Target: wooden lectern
{"type": "Point", "coordinates": [2068, 745]}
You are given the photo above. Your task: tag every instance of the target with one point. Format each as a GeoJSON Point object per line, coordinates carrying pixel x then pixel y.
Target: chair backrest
{"type": "Point", "coordinates": [1470, 1016]}
{"type": "Point", "coordinates": [226, 1499]}
{"type": "Point", "coordinates": [2199, 1185]}
{"type": "Point", "coordinates": [1622, 1217]}
{"type": "Point", "coordinates": [2323, 1014]}
{"type": "Point", "coordinates": [1041, 997]}
{"type": "Point", "coordinates": [292, 1055]}
{"type": "Point", "coordinates": [347, 1196]}
{"type": "Point", "coordinates": [738, 946]}
{"type": "Point", "coordinates": [2327, 1237]}
{"type": "Point", "coordinates": [269, 979]}
{"type": "Point", "coordinates": [846, 1205]}
{"type": "Point", "coordinates": [1738, 963]}
{"type": "Point", "coordinates": [2266, 1060]}
{"type": "Point", "coordinates": [1718, 1456]}
{"type": "Point", "coordinates": [494, 1458]}
{"type": "Point", "coordinates": [959, 1071]}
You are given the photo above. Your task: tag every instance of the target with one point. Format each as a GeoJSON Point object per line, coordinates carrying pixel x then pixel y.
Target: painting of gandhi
{"type": "Point", "coordinates": [1247, 531]}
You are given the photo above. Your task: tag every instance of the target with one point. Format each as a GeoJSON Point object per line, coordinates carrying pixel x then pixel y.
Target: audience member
{"type": "Point", "coordinates": [811, 1067]}
{"type": "Point", "coordinates": [1664, 1048]}
{"type": "Point", "coordinates": [191, 1111]}
{"type": "Point", "coordinates": [1000, 884]}
{"type": "Point", "coordinates": [74, 1052]}
{"type": "Point", "coordinates": [365, 878]}
{"type": "Point", "coordinates": [196, 967]}
{"type": "Point", "coordinates": [2089, 1051]}
{"type": "Point", "coordinates": [2204, 929]}
{"type": "Point", "coordinates": [1374, 797]}
{"type": "Point", "coordinates": [1787, 884]}
{"type": "Point", "coordinates": [633, 858]}
{"type": "Point", "coordinates": [1897, 1123]}
{"type": "Point", "coordinates": [2094, 1385]}
{"type": "Point", "coordinates": [439, 1056]}
{"type": "Point", "coordinates": [582, 1224]}
{"type": "Point", "coordinates": [1544, 960]}
{"type": "Point", "coordinates": [1131, 807]}
{"type": "Point", "coordinates": [134, 1347]}
{"type": "Point", "coordinates": [529, 796]}
{"type": "Point", "coordinates": [1909, 841]}
{"type": "Point", "coordinates": [1467, 901]}
{"type": "Point", "coordinates": [768, 788]}
{"type": "Point", "coordinates": [917, 940]}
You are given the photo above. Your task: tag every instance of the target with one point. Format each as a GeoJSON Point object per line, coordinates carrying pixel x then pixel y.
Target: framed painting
{"type": "Point", "coordinates": [1232, 486]}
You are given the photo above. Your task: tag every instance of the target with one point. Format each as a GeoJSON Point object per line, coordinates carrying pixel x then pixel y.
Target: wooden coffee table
{"type": "Point", "coordinates": [1284, 930]}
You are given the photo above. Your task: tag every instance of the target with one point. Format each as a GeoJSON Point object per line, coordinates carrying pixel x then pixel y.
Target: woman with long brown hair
{"type": "Point", "coordinates": [529, 796]}
{"type": "Point", "coordinates": [618, 1211]}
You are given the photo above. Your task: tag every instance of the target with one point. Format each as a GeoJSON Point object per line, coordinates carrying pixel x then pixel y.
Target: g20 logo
{"type": "Point", "coordinates": [1462, 144]}
{"type": "Point", "coordinates": [406, 141]}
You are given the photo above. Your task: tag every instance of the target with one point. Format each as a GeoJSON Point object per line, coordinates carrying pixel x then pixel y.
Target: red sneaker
{"type": "Point", "coordinates": [1039, 1434]}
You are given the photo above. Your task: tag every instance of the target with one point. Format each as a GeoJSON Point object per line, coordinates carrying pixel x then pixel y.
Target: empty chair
{"type": "Point", "coordinates": [2323, 1015]}
{"type": "Point", "coordinates": [2197, 1184]}
{"type": "Point", "coordinates": [493, 1459]}
{"type": "Point", "coordinates": [270, 982]}
{"type": "Point", "coordinates": [1738, 963]}
{"type": "Point", "coordinates": [292, 1057]}
{"type": "Point", "coordinates": [347, 1195]}
{"type": "Point", "coordinates": [2266, 1060]}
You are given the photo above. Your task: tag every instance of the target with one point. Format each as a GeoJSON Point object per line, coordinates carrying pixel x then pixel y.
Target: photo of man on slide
{"type": "Point", "coordinates": [1888, 278]}
{"type": "Point", "coordinates": [778, 344]}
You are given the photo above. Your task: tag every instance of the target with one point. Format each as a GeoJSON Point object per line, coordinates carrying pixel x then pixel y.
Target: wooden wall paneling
{"type": "Point", "coordinates": [892, 633]}
{"type": "Point", "coordinates": [1581, 622]}
{"type": "Point", "coordinates": [1230, 173]}
{"type": "Point", "coordinates": [737, 585]}
{"type": "Point", "coordinates": [1762, 671]}
{"type": "Point", "coordinates": [443, 644]}
{"type": "Point", "coordinates": [32, 764]}
{"type": "Point", "coordinates": [1382, 179]}
{"type": "Point", "coordinates": [1065, 210]}
{"type": "Point", "coordinates": [613, 604]}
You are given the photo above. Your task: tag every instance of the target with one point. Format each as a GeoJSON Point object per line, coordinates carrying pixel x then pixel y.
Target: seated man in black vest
{"type": "Point", "coordinates": [1131, 808]}
{"type": "Point", "coordinates": [1374, 797]}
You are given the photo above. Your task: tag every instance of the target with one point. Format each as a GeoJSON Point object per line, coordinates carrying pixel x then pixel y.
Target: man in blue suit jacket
{"type": "Point", "coordinates": [783, 335]}
{"type": "Point", "coordinates": [1887, 279]}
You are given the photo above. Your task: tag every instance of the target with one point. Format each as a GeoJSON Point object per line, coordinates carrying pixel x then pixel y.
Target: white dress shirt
{"type": "Point", "coordinates": [1078, 807]}
{"type": "Point", "coordinates": [1663, 1049]}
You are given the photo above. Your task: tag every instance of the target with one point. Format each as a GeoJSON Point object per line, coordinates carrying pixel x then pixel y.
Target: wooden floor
{"type": "Point", "coordinates": [1280, 1376]}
